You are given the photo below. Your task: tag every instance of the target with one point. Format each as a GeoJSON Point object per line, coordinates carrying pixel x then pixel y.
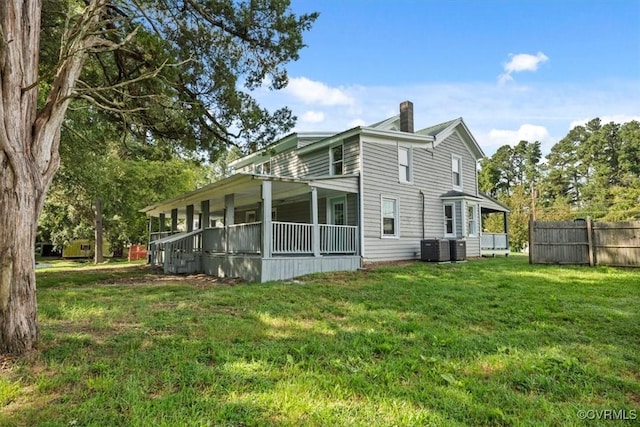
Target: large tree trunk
{"type": "Point", "coordinates": [29, 157]}
{"type": "Point", "coordinates": [18, 219]}
{"type": "Point", "coordinates": [21, 182]}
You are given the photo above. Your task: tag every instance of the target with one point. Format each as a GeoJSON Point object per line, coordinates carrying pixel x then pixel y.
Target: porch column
{"type": "Point", "coordinates": [267, 234]}
{"type": "Point", "coordinates": [174, 220]}
{"type": "Point", "coordinates": [163, 223]}
{"type": "Point", "coordinates": [314, 220]}
{"type": "Point", "coordinates": [229, 214]}
{"type": "Point", "coordinates": [205, 215]}
{"type": "Point", "coordinates": [189, 218]}
{"type": "Point", "coordinates": [506, 227]}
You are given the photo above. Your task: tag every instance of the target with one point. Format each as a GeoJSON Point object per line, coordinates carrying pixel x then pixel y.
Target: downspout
{"type": "Point", "coordinates": [361, 200]}
{"type": "Point", "coordinates": [422, 213]}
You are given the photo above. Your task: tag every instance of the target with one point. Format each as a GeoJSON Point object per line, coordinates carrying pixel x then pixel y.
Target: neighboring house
{"type": "Point", "coordinates": [314, 202]}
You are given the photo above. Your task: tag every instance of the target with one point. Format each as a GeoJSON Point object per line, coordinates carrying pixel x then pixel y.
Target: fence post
{"type": "Point", "coordinates": [590, 241]}
{"type": "Point", "coordinates": [531, 242]}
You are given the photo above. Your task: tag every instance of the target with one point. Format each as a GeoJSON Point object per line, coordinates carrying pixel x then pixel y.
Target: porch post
{"type": "Point", "coordinates": [189, 218]}
{"type": "Point", "coordinates": [174, 220]}
{"type": "Point", "coordinates": [229, 214]}
{"type": "Point", "coordinates": [314, 220]}
{"type": "Point", "coordinates": [205, 215]}
{"type": "Point", "coordinates": [267, 235]}
{"type": "Point", "coordinates": [163, 223]}
{"type": "Point", "coordinates": [506, 227]}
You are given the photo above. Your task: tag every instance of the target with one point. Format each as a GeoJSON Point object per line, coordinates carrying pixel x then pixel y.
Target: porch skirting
{"type": "Point", "coordinates": [254, 268]}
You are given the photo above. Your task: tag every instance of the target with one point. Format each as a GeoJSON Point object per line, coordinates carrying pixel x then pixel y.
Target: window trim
{"type": "Point", "coordinates": [254, 212]}
{"type": "Point", "coordinates": [453, 219]}
{"type": "Point", "coordinates": [396, 218]}
{"type": "Point", "coordinates": [458, 161]}
{"type": "Point", "coordinates": [332, 161]}
{"type": "Point", "coordinates": [474, 207]}
{"type": "Point", "coordinates": [409, 165]}
{"type": "Point", "coordinates": [330, 213]}
{"type": "Point", "coordinates": [261, 165]}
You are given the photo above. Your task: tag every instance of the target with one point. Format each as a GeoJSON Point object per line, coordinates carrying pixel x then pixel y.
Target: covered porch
{"type": "Point", "coordinates": [494, 243]}
{"type": "Point", "coordinates": [259, 228]}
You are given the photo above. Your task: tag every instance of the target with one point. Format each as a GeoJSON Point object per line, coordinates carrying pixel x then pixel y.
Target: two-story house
{"type": "Point", "coordinates": [314, 202]}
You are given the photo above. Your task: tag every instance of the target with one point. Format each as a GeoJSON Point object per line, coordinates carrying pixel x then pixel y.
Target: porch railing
{"type": "Point", "coordinates": [244, 238]}
{"type": "Point", "coordinates": [161, 235]}
{"type": "Point", "coordinates": [494, 241]}
{"type": "Point", "coordinates": [179, 253]}
{"type": "Point", "coordinates": [292, 238]}
{"type": "Point", "coordinates": [288, 238]}
{"type": "Point", "coordinates": [338, 239]}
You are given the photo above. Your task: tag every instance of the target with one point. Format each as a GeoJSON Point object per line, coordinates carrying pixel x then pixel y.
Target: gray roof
{"type": "Point", "coordinates": [436, 129]}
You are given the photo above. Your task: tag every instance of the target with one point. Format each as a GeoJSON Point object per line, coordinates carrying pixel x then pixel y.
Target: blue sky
{"type": "Point", "coordinates": [513, 70]}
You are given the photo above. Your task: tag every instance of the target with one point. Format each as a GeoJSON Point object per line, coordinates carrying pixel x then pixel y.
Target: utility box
{"type": "Point", "coordinates": [435, 250]}
{"type": "Point", "coordinates": [458, 250]}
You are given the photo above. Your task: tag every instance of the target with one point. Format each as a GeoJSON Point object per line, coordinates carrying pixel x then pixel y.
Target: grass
{"type": "Point", "coordinates": [487, 342]}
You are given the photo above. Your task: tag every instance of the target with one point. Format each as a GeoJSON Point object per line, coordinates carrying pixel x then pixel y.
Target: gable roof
{"type": "Point", "coordinates": [443, 130]}
{"type": "Point", "coordinates": [392, 123]}
{"type": "Point", "coordinates": [436, 129]}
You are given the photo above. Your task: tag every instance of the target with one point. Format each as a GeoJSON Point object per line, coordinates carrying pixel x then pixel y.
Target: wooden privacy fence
{"type": "Point", "coordinates": [585, 242]}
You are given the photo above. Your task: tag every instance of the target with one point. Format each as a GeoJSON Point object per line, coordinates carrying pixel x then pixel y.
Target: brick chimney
{"type": "Point", "coordinates": [406, 116]}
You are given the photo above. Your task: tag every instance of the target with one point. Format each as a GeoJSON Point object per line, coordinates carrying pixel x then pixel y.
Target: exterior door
{"type": "Point", "coordinates": [337, 211]}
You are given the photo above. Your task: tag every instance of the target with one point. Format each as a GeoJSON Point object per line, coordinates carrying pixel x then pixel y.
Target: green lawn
{"type": "Point", "coordinates": [487, 342]}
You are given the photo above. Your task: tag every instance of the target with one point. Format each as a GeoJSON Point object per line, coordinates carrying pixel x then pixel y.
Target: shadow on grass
{"type": "Point", "coordinates": [482, 343]}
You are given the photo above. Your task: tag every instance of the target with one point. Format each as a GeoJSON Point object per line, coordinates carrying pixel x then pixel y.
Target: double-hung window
{"type": "Point", "coordinates": [264, 168]}
{"type": "Point", "coordinates": [336, 160]}
{"type": "Point", "coordinates": [472, 220]}
{"type": "Point", "coordinates": [404, 164]}
{"type": "Point", "coordinates": [390, 226]}
{"type": "Point", "coordinates": [449, 220]}
{"type": "Point", "coordinates": [456, 172]}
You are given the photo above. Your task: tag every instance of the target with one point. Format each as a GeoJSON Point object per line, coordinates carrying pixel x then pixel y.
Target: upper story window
{"type": "Point", "coordinates": [264, 168]}
{"type": "Point", "coordinates": [404, 164]}
{"type": "Point", "coordinates": [456, 172]}
{"type": "Point", "coordinates": [336, 160]}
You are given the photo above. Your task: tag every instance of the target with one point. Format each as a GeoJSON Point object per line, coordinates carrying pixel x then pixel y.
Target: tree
{"type": "Point", "coordinates": [590, 168]}
{"type": "Point", "coordinates": [165, 68]}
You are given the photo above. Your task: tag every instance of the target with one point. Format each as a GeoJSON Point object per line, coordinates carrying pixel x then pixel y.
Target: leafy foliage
{"type": "Point", "coordinates": [168, 88]}
{"type": "Point", "coordinates": [593, 171]}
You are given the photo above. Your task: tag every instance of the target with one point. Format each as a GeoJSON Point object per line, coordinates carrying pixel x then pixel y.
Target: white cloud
{"type": "Point", "coordinates": [521, 62]}
{"type": "Point", "coordinates": [496, 115]}
{"type": "Point", "coordinates": [312, 117]}
{"type": "Point", "coordinates": [356, 122]}
{"type": "Point", "coordinates": [314, 92]}
{"type": "Point", "coordinates": [526, 132]}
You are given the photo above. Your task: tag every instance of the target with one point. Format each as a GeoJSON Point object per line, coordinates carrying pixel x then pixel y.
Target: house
{"type": "Point", "coordinates": [315, 202]}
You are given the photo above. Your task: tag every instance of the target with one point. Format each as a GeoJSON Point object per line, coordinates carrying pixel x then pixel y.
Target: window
{"type": "Point", "coordinates": [404, 164]}
{"type": "Point", "coordinates": [336, 160]}
{"type": "Point", "coordinates": [472, 220]}
{"type": "Point", "coordinates": [449, 220]}
{"type": "Point", "coordinates": [389, 217]}
{"type": "Point", "coordinates": [264, 168]}
{"type": "Point", "coordinates": [250, 216]}
{"type": "Point", "coordinates": [337, 211]}
{"type": "Point", "coordinates": [456, 172]}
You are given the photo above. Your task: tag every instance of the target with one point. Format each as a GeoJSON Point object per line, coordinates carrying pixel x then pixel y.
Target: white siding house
{"type": "Point", "coordinates": [316, 202]}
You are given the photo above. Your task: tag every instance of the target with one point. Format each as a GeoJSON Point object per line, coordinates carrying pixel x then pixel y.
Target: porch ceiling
{"type": "Point", "coordinates": [247, 191]}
